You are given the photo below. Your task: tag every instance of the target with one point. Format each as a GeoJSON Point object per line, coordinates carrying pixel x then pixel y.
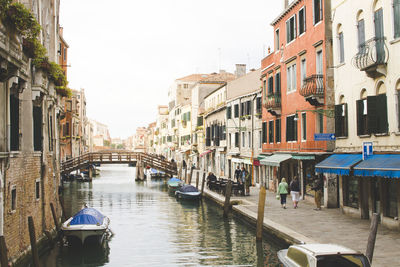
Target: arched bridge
{"type": "Point", "coordinates": [118, 157]}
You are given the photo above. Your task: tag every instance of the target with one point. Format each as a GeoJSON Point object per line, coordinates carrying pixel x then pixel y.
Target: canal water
{"type": "Point", "coordinates": [152, 228]}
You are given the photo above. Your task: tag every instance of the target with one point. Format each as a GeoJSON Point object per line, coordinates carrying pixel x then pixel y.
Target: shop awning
{"type": "Point", "coordinates": [338, 164]}
{"type": "Point", "coordinates": [263, 156]}
{"type": "Point", "coordinates": [387, 165]}
{"type": "Point", "coordinates": [275, 159]}
{"type": "Point", "coordinates": [304, 157]}
{"type": "Point", "coordinates": [205, 153]}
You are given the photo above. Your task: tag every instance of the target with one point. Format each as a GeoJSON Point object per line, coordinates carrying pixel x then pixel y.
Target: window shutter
{"type": "Point", "coordinates": [295, 26]}
{"type": "Point", "coordinates": [287, 31]}
{"type": "Point", "coordinates": [278, 83]}
{"type": "Point", "coordinates": [381, 105]}
{"type": "Point", "coordinates": [289, 129]}
{"type": "Point", "coordinates": [372, 115]}
{"type": "Point", "coordinates": [294, 129]}
{"type": "Point", "coordinates": [248, 107]}
{"type": "Point", "coordinates": [396, 18]}
{"type": "Point", "coordinates": [277, 130]}
{"type": "Point", "coordinates": [361, 33]}
{"type": "Point", "coordinates": [360, 108]}
{"type": "Point", "coordinates": [345, 123]}
{"type": "Point", "coordinates": [304, 19]}
{"type": "Point", "coordinates": [264, 132]}
{"type": "Point", "coordinates": [338, 120]}
{"type": "Point", "coordinates": [378, 20]}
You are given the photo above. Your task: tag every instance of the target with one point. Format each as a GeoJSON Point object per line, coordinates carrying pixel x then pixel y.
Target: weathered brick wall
{"type": "Point", "coordinates": [24, 169]}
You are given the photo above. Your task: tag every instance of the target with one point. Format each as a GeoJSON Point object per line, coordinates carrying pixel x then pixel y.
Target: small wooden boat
{"type": "Point", "coordinates": [156, 173]}
{"type": "Point", "coordinates": [174, 184]}
{"type": "Point", "coordinates": [88, 222]}
{"type": "Point", "coordinates": [188, 192]}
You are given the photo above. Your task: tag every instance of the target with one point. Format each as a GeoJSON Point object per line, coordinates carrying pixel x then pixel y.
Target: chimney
{"type": "Point", "coordinates": [240, 70]}
{"type": "Point", "coordinates": [285, 4]}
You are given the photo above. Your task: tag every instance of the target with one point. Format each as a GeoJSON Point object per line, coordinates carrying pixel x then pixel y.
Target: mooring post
{"type": "Point", "coordinates": [3, 252]}
{"type": "Point", "coordinates": [64, 215]}
{"type": "Point", "coordinates": [190, 177]}
{"type": "Point", "coordinates": [197, 179]}
{"type": "Point", "coordinates": [227, 204]}
{"type": "Point", "coordinates": [32, 236]}
{"type": "Point", "coordinates": [260, 215]}
{"type": "Point", "coordinates": [372, 237]}
{"type": "Point", "coordinates": [202, 183]}
{"type": "Point", "coordinates": [53, 212]}
{"type": "Point", "coordinates": [90, 172]}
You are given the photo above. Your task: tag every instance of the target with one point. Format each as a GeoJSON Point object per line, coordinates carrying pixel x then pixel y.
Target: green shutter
{"type": "Point", "coordinates": [382, 118]}
{"type": "Point", "coordinates": [278, 130]}
{"type": "Point", "coordinates": [264, 132]}
{"type": "Point", "coordinates": [289, 129]}
{"type": "Point", "coordinates": [338, 120]}
{"type": "Point", "coordinates": [360, 107]}
{"type": "Point", "coordinates": [345, 123]}
{"type": "Point", "coordinates": [372, 115]}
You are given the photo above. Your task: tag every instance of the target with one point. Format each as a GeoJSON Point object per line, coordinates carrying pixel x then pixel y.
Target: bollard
{"type": "Point", "coordinates": [227, 204]}
{"type": "Point", "coordinates": [64, 215]}
{"type": "Point", "coordinates": [202, 183]}
{"type": "Point", "coordinates": [197, 179]}
{"type": "Point", "coordinates": [32, 236]}
{"type": "Point", "coordinates": [260, 215]}
{"type": "Point", "coordinates": [372, 237]}
{"type": "Point", "coordinates": [3, 252]}
{"type": "Point", "coordinates": [53, 212]}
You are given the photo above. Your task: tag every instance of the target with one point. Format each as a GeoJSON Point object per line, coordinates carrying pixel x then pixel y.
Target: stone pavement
{"type": "Point", "coordinates": [326, 226]}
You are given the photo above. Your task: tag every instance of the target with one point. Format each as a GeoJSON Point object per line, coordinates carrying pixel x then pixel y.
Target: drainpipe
{"type": "Point", "coordinates": [252, 140]}
{"type": "Point", "coordinates": [1, 200]}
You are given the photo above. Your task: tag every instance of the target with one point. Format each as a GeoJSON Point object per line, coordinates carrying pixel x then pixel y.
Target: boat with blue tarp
{"type": "Point", "coordinates": [188, 192]}
{"type": "Point", "coordinates": [88, 222]}
{"type": "Point", "coordinates": [174, 184]}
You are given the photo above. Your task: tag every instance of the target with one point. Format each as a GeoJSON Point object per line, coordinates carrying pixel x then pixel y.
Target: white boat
{"type": "Point", "coordinates": [88, 222]}
{"type": "Point", "coordinates": [188, 192]}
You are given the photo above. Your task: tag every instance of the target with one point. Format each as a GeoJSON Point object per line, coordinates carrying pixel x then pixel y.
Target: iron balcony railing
{"type": "Point", "coordinates": [313, 86]}
{"type": "Point", "coordinates": [273, 101]}
{"type": "Point", "coordinates": [373, 52]}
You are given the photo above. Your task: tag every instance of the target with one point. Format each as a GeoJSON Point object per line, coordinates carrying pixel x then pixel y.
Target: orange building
{"type": "Point", "coordinates": [297, 87]}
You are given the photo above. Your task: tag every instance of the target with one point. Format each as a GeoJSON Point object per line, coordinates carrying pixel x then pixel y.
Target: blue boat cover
{"type": "Point", "coordinates": [386, 165]}
{"type": "Point", "coordinates": [174, 179]}
{"type": "Point", "coordinates": [87, 216]}
{"type": "Point", "coordinates": [188, 188]}
{"type": "Point", "coordinates": [338, 164]}
{"type": "Point", "coordinates": [154, 171]}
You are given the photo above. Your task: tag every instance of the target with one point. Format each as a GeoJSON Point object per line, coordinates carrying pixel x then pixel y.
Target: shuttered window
{"type": "Point", "coordinates": [396, 18]}
{"type": "Point", "coordinates": [236, 110]}
{"type": "Point", "coordinates": [270, 85]}
{"type": "Point", "coordinates": [372, 115]}
{"type": "Point", "coordinates": [278, 130]}
{"type": "Point", "coordinates": [341, 48]}
{"type": "Point", "coordinates": [242, 109]}
{"type": "Point", "coordinates": [303, 126]}
{"type": "Point", "coordinates": [271, 131]}
{"type": "Point", "coordinates": [361, 117]}
{"type": "Point", "coordinates": [208, 136]}
{"type": "Point", "coordinates": [379, 34]}
{"type": "Point", "coordinates": [382, 117]}
{"type": "Point", "coordinates": [291, 129]}
{"type": "Point", "coordinates": [236, 139]}
{"type": "Point", "coordinates": [302, 20]}
{"type": "Point", "coordinates": [229, 112]}
{"type": "Point", "coordinates": [278, 83]}
{"type": "Point", "coordinates": [317, 11]}
{"type": "Point", "coordinates": [291, 27]}
{"type": "Point", "coordinates": [258, 105]}
{"type": "Point", "coordinates": [248, 107]}
{"type": "Point", "coordinates": [341, 129]}
{"type": "Point", "coordinates": [361, 35]}
{"type": "Point", "coordinates": [264, 132]}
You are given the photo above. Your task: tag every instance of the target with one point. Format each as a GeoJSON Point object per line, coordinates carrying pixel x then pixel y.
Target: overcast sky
{"type": "Point", "coordinates": [126, 53]}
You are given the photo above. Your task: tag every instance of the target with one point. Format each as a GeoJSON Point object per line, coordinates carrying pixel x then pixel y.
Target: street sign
{"type": "Point", "coordinates": [324, 137]}
{"type": "Point", "coordinates": [367, 150]}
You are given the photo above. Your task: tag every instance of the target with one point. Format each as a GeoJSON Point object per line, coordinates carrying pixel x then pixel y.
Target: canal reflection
{"type": "Point", "coordinates": [153, 228]}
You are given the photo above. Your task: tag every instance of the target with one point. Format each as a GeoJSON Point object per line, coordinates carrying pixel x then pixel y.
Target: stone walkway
{"type": "Point", "coordinates": [326, 226]}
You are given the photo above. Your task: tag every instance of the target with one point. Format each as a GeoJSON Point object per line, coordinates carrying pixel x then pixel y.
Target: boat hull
{"type": "Point", "coordinates": [188, 195]}
{"type": "Point", "coordinates": [84, 231]}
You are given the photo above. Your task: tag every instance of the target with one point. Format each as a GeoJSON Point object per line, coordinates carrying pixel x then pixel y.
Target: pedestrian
{"type": "Point", "coordinates": [184, 164]}
{"type": "Point", "coordinates": [283, 191]}
{"type": "Point", "coordinates": [295, 192]}
{"type": "Point", "coordinates": [318, 186]}
{"type": "Point", "coordinates": [237, 174]}
{"type": "Point", "coordinates": [243, 174]}
{"type": "Point", "coordinates": [247, 183]}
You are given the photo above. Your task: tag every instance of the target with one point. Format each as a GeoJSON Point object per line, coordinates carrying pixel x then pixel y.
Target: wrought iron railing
{"type": "Point", "coordinates": [273, 101]}
{"type": "Point", "coordinates": [371, 53]}
{"type": "Point", "coordinates": [313, 86]}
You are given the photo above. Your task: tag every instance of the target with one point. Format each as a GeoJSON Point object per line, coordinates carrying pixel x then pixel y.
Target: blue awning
{"type": "Point", "coordinates": [387, 165]}
{"type": "Point", "coordinates": [338, 164]}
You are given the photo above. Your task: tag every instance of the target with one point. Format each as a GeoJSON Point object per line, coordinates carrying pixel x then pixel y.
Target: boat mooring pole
{"type": "Point", "coordinates": [372, 237]}
{"type": "Point", "coordinates": [32, 236]}
{"type": "Point", "coordinates": [197, 179]}
{"type": "Point", "coordinates": [64, 215]}
{"type": "Point", "coordinates": [202, 183]}
{"type": "Point", "coordinates": [190, 177]}
{"type": "Point", "coordinates": [260, 215]}
{"type": "Point", "coordinates": [227, 204]}
{"type": "Point", "coordinates": [3, 251]}
{"type": "Point", "coordinates": [53, 212]}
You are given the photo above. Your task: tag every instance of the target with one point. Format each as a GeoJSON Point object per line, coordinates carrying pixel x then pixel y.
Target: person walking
{"type": "Point", "coordinates": [318, 186]}
{"type": "Point", "coordinates": [283, 188]}
{"type": "Point", "coordinates": [237, 174]}
{"type": "Point", "coordinates": [295, 192]}
{"type": "Point", "coordinates": [242, 182]}
{"type": "Point", "coordinates": [247, 183]}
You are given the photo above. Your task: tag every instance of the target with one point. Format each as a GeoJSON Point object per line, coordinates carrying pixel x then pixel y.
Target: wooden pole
{"type": "Point", "coordinates": [190, 177]}
{"type": "Point", "coordinates": [64, 215]}
{"type": "Point", "coordinates": [227, 204]}
{"type": "Point", "coordinates": [3, 252]}
{"type": "Point", "coordinates": [197, 179]}
{"type": "Point", "coordinates": [372, 237]}
{"type": "Point", "coordinates": [53, 212]}
{"type": "Point", "coordinates": [186, 180]}
{"type": "Point", "coordinates": [32, 236]}
{"type": "Point", "coordinates": [260, 215]}
{"type": "Point", "coordinates": [202, 183]}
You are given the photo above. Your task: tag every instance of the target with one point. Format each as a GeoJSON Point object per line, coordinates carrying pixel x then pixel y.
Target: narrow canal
{"type": "Point", "coordinates": [152, 228]}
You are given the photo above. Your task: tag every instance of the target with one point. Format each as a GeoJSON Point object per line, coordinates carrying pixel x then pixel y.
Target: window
{"type": "Point", "coordinates": [14, 122]}
{"type": "Point", "coordinates": [350, 192]}
{"type": "Point", "coordinates": [271, 131]}
{"type": "Point", "coordinates": [265, 87]}
{"type": "Point", "coordinates": [291, 129]}
{"type": "Point", "coordinates": [37, 189]}
{"type": "Point", "coordinates": [270, 85]}
{"type": "Point", "coordinates": [319, 63]}
{"type": "Point", "coordinates": [317, 11]}
{"type": "Point", "coordinates": [65, 54]}
{"type": "Point", "coordinates": [229, 112]}
{"type": "Point", "coordinates": [303, 71]}
{"type": "Point", "coordinates": [396, 18]}
{"type": "Point", "coordinates": [260, 139]}
{"type": "Point", "coordinates": [291, 29]}
{"type": "Point", "coordinates": [236, 139]}
{"type": "Point", "coordinates": [242, 109]}
{"type": "Point", "coordinates": [341, 47]}
{"type": "Point", "coordinates": [208, 136]}
{"type": "Point", "coordinates": [361, 35]}
{"type": "Point", "coordinates": [303, 126]}
{"type": "Point", "coordinates": [320, 123]}
{"type": "Point", "coordinates": [258, 105]}
{"type": "Point", "coordinates": [341, 120]}
{"type": "Point", "coordinates": [264, 131]}
{"type": "Point", "coordinates": [379, 35]}
{"type": "Point", "coordinates": [243, 139]}
{"type": "Point", "coordinates": [248, 107]}
{"type": "Point", "coordinates": [13, 198]}
{"type": "Point", "coordinates": [291, 78]}
{"type": "Point", "coordinates": [302, 20]}
{"type": "Point", "coordinates": [37, 128]}
{"type": "Point", "coordinates": [236, 110]}
{"type": "Point", "coordinates": [249, 134]}
{"type": "Point", "coordinates": [278, 83]}
{"type": "Point", "coordinates": [278, 130]}
{"type": "Point", "coordinates": [277, 41]}
{"type": "Point", "coordinates": [372, 115]}
{"type": "Point", "coordinates": [391, 199]}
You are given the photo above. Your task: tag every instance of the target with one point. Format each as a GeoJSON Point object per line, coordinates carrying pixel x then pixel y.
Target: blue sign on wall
{"type": "Point", "coordinates": [367, 150]}
{"type": "Point", "coordinates": [324, 137]}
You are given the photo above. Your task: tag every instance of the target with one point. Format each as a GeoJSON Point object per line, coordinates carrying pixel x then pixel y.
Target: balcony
{"type": "Point", "coordinates": [273, 103]}
{"type": "Point", "coordinates": [372, 57]}
{"type": "Point", "coordinates": [313, 89]}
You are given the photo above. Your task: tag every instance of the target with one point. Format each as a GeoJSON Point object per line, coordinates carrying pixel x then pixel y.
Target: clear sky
{"type": "Point", "coordinates": [126, 53]}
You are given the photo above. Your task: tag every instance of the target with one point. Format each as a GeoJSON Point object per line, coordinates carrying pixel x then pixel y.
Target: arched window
{"type": "Point", "coordinates": [360, 30]}
{"type": "Point", "coordinates": [340, 43]}
{"type": "Point", "coordinates": [362, 114]}
{"type": "Point", "coordinates": [341, 122]}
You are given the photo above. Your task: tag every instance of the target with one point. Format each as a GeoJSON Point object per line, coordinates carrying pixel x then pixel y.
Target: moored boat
{"type": "Point", "coordinates": [188, 192]}
{"type": "Point", "coordinates": [174, 184]}
{"type": "Point", "coordinates": [88, 222]}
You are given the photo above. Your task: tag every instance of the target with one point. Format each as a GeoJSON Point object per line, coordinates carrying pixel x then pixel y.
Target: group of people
{"type": "Point", "coordinates": [283, 191]}
{"type": "Point", "coordinates": [243, 177]}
